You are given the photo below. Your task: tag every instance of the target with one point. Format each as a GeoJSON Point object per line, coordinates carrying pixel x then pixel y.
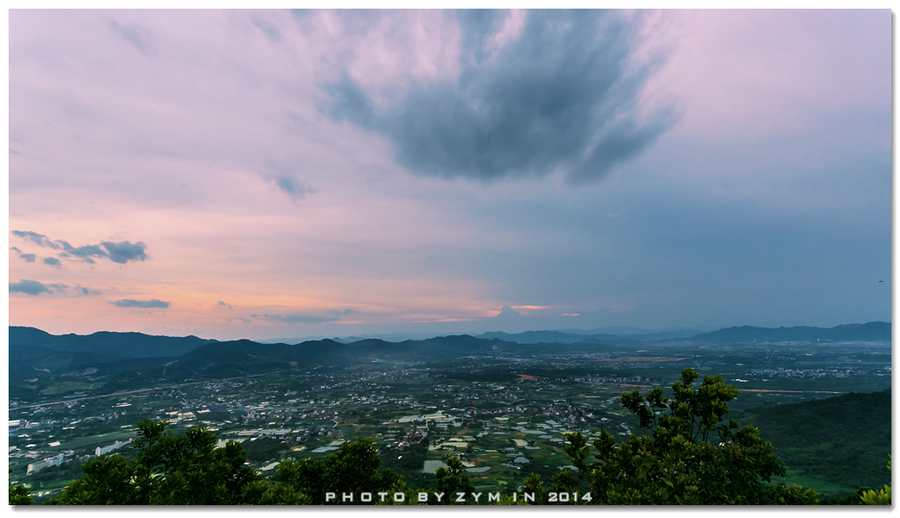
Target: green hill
{"type": "Point", "coordinates": [833, 445]}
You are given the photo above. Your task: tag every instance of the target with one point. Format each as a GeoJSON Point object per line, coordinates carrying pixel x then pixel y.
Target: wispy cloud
{"type": "Point", "coordinates": [299, 318]}
{"type": "Point", "coordinates": [269, 29]}
{"type": "Point", "coordinates": [131, 303]}
{"type": "Point", "coordinates": [284, 174]}
{"type": "Point", "coordinates": [296, 189]}
{"type": "Point", "coordinates": [139, 36]}
{"type": "Point", "coordinates": [36, 238]}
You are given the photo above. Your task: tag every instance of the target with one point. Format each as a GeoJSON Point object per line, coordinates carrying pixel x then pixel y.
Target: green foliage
{"type": "Point", "coordinates": [453, 479]}
{"type": "Point", "coordinates": [19, 494]}
{"type": "Point", "coordinates": [509, 500]}
{"type": "Point", "coordinates": [409, 463]}
{"type": "Point", "coordinates": [107, 480]}
{"type": "Point", "coordinates": [536, 467]}
{"type": "Point", "coordinates": [882, 497]}
{"type": "Point", "coordinates": [351, 469]}
{"type": "Point", "coordinates": [264, 449]}
{"type": "Point", "coordinates": [674, 463]}
{"type": "Point", "coordinates": [410, 494]}
{"type": "Point", "coordinates": [564, 481]}
{"type": "Point", "coordinates": [188, 468]}
{"type": "Point", "coordinates": [354, 468]}
{"type": "Point", "coordinates": [410, 460]}
{"type": "Point", "coordinates": [534, 485]}
{"type": "Point", "coordinates": [840, 441]}
{"type": "Point", "coordinates": [169, 469]}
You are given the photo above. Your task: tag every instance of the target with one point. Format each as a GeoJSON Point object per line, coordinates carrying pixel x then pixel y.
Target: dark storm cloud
{"type": "Point", "coordinates": [52, 261]}
{"type": "Point", "coordinates": [35, 287]}
{"type": "Point", "coordinates": [560, 97]}
{"type": "Point", "coordinates": [125, 251]}
{"type": "Point", "coordinates": [131, 303]}
{"type": "Point", "coordinates": [137, 35]}
{"type": "Point", "coordinates": [478, 24]}
{"type": "Point", "coordinates": [28, 257]}
{"type": "Point", "coordinates": [351, 103]}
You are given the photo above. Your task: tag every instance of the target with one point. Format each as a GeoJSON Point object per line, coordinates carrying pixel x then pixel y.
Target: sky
{"type": "Point", "coordinates": [264, 174]}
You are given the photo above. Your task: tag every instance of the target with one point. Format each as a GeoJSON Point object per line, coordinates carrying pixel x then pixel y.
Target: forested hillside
{"type": "Point", "coordinates": [842, 441]}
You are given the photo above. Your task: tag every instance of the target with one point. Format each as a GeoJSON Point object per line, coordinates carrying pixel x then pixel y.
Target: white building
{"type": "Point", "coordinates": [112, 447]}
{"type": "Point", "coordinates": [46, 463]}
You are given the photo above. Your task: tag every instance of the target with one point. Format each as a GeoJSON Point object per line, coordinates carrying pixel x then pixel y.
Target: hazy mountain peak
{"type": "Point", "coordinates": [508, 312]}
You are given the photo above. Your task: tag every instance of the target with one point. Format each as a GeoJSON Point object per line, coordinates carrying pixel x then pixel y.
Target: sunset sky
{"type": "Point", "coordinates": [266, 174]}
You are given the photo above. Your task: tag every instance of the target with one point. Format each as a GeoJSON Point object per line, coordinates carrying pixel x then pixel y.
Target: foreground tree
{"type": "Point", "coordinates": [453, 479]}
{"type": "Point", "coordinates": [169, 469]}
{"type": "Point", "coordinates": [881, 497]}
{"type": "Point", "coordinates": [19, 494]}
{"type": "Point", "coordinates": [687, 456]}
{"type": "Point", "coordinates": [188, 468]}
{"type": "Point", "coordinates": [353, 469]}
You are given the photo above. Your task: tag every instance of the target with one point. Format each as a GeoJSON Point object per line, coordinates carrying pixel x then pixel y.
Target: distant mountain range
{"type": "Point", "coordinates": [35, 353]}
{"type": "Point", "coordinates": [27, 340]}
{"type": "Point", "coordinates": [560, 337]}
{"type": "Point", "coordinates": [871, 332]}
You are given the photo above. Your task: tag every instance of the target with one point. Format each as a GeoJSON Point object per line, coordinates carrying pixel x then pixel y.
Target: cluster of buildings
{"type": "Point", "coordinates": [804, 373]}
{"type": "Point", "coordinates": [413, 437]}
{"type": "Point", "coordinates": [67, 455]}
